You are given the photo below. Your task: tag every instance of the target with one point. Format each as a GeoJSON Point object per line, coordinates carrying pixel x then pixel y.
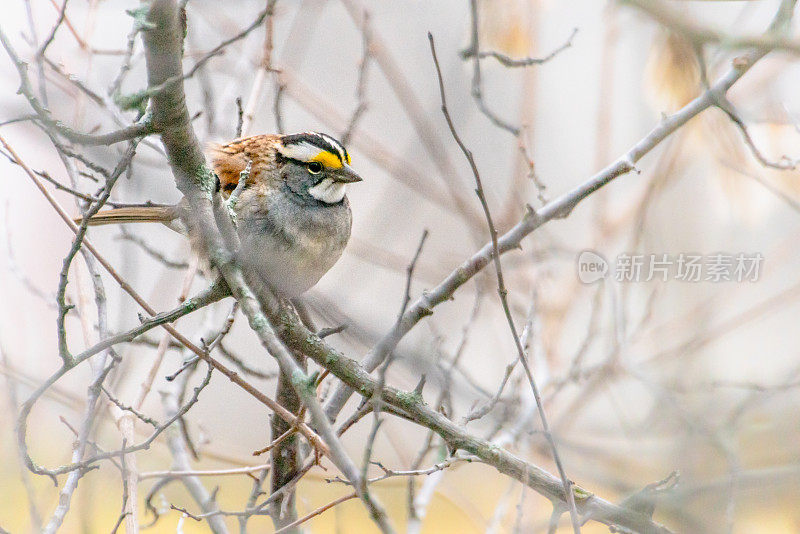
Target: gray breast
{"type": "Point", "coordinates": [292, 245]}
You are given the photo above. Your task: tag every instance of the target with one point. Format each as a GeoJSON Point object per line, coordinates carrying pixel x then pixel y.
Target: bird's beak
{"type": "Point", "coordinates": [347, 175]}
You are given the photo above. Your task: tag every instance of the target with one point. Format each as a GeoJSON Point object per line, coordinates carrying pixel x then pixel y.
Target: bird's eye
{"type": "Point", "coordinates": [314, 167]}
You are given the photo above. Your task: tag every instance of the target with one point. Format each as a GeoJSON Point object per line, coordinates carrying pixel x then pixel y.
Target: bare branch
{"type": "Point", "coordinates": [523, 62]}
{"type": "Point", "coordinates": [668, 17]}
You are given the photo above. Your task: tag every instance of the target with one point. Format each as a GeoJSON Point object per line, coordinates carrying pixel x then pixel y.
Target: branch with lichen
{"type": "Point", "coordinates": [163, 48]}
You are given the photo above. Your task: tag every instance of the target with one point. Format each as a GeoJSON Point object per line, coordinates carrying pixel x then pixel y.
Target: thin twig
{"type": "Point", "coordinates": [126, 235]}
{"type": "Point", "coordinates": [139, 415]}
{"type": "Point", "coordinates": [174, 473]}
{"type": "Point", "coordinates": [477, 86]}
{"type": "Point", "coordinates": [361, 84]}
{"type": "Point", "coordinates": [784, 164]}
{"type": "Point", "coordinates": [318, 511]}
{"type": "Point", "coordinates": [503, 293]}
{"type": "Point", "coordinates": [507, 61]}
{"type": "Point", "coordinates": [49, 39]}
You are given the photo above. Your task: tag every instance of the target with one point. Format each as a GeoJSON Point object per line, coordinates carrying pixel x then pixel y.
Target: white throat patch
{"type": "Point", "coordinates": [328, 191]}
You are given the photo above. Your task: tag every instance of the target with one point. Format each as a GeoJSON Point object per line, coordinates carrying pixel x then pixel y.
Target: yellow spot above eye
{"type": "Point", "coordinates": [330, 161]}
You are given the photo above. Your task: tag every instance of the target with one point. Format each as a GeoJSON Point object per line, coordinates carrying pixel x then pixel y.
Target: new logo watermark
{"type": "Point", "coordinates": [591, 267]}
{"type": "Point", "coordinates": [717, 267]}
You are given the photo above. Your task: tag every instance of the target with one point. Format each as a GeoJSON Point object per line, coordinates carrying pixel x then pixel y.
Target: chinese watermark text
{"type": "Point", "coordinates": [718, 267]}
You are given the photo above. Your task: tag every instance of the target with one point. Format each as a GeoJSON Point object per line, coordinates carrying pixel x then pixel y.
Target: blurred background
{"type": "Point", "coordinates": [641, 377]}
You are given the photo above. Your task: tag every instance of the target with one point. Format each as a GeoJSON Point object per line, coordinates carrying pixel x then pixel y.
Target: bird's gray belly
{"type": "Point", "coordinates": [293, 257]}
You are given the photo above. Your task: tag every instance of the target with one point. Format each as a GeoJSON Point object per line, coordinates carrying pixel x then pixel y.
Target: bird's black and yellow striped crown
{"type": "Point", "coordinates": [314, 146]}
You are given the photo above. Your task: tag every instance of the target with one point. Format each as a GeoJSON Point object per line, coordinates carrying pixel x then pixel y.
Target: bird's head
{"type": "Point", "coordinates": [315, 166]}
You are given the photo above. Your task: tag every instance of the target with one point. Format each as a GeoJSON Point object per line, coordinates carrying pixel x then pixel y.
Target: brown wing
{"type": "Point", "coordinates": [230, 159]}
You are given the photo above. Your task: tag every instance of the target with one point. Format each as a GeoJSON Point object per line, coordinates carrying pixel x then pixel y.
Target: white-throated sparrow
{"type": "Point", "coordinates": [293, 217]}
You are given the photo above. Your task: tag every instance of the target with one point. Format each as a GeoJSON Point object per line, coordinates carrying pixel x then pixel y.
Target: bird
{"type": "Point", "coordinates": [293, 217]}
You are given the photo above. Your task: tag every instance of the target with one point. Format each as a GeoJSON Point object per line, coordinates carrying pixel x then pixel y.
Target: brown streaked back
{"type": "Point", "coordinates": [230, 159]}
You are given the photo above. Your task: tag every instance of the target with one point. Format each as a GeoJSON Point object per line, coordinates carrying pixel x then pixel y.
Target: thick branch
{"type": "Point", "coordinates": [163, 47]}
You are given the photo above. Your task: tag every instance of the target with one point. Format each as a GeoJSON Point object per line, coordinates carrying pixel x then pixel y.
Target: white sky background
{"type": "Point", "coordinates": [705, 209]}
